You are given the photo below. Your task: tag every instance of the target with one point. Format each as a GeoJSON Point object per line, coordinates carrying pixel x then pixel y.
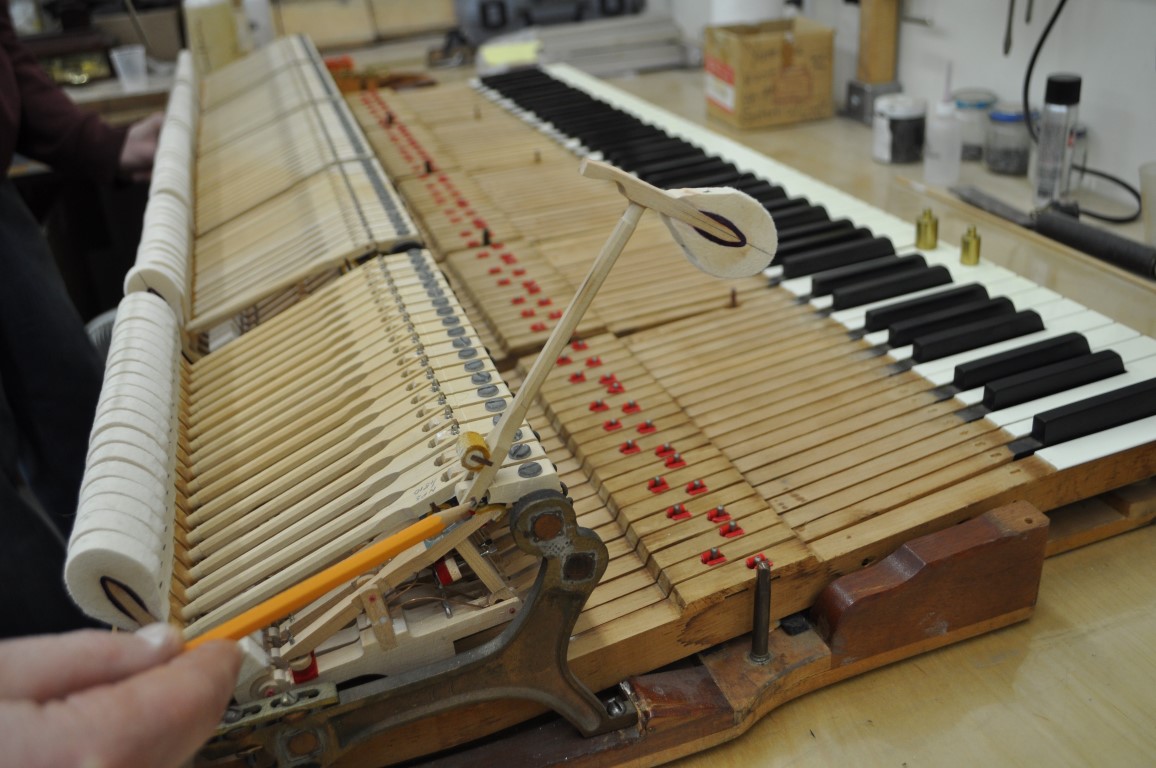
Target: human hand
{"type": "Point", "coordinates": [140, 148]}
{"type": "Point", "coordinates": [95, 698]}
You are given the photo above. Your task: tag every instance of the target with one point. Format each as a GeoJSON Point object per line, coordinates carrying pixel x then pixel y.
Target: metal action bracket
{"type": "Point", "coordinates": [528, 660]}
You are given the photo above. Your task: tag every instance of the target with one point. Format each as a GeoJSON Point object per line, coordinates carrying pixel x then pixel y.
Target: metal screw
{"type": "Point", "coordinates": [519, 451]}
{"type": "Point", "coordinates": [533, 469]}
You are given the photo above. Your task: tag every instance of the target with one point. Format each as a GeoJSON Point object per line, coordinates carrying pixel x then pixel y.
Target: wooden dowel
{"type": "Point", "coordinates": [502, 436]}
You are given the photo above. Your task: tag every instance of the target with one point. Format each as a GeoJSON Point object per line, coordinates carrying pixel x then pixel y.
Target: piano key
{"type": "Point", "coordinates": [854, 318]}
{"type": "Point", "coordinates": [881, 317]}
{"type": "Point", "coordinates": [1050, 379]}
{"type": "Point", "coordinates": [1095, 414]}
{"type": "Point", "coordinates": [832, 256]}
{"type": "Point", "coordinates": [760, 189]}
{"type": "Point", "coordinates": [817, 235]}
{"type": "Point", "coordinates": [704, 177]}
{"type": "Point", "coordinates": [1100, 445]}
{"type": "Point", "coordinates": [905, 331]}
{"type": "Point", "coordinates": [874, 290]}
{"type": "Point", "coordinates": [824, 283]}
{"type": "Point", "coordinates": [1137, 371]}
{"type": "Point", "coordinates": [1048, 312]}
{"type": "Point", "coordinates": [1091, 324]}
{"type": "Point", "coordinates": [974, 335]}
{"type": "Point", "coordinates": [976, 373]}
{"type": "Point", "coordinates": [652, 170]}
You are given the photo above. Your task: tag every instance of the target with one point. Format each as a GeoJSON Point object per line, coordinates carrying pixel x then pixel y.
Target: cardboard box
{"type": "Point", "coordinates": [772, 73]}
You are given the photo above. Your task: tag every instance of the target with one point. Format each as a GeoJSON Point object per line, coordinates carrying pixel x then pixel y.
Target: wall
{"type": "Point", "coordinates": [692, 16]}
{"type": "Point", "coordinates": [1110, 43]}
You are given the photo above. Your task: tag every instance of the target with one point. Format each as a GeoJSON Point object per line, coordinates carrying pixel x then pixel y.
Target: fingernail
{"type": "Point", "coordinates": [158, 635]}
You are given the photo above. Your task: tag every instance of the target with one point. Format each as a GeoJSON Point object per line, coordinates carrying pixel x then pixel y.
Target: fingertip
{"type": "Point", "coordinates": [220, 658]}
{"type": "Point", "coordinates": [163, 639]}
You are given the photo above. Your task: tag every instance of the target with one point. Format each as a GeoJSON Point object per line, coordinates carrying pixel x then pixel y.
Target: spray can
{"type": "Point", "coordinates": [1057, 139]}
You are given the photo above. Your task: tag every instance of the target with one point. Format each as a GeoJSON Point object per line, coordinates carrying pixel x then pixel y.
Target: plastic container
{"type": "Point", "coordinates": [1057, 139]}
{"type": "Point", "coordinates": [131, 66]}
{"type": "Point", "coordinates": [259, 16]}
{"type": "Point", "coordinates": [1079, 158]}
{"type": "Point", "coordinates": [1007, 150]}
{"type": "Point", "coordinates": [898, 129]}
{"type": "Point", "coordinates": [971, 110]}
{"type": "Point", "coordinates": [942, 150]}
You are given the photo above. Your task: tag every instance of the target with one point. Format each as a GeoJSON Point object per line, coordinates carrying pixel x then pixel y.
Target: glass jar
{"type": "Point", "coordinates": [1008, 146]}
{"type": "Point", "coordinates": [971, 110]}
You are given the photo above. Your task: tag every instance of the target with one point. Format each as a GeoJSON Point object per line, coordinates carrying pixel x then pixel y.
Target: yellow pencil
{"type": "Point", "coordinates": [300, 595]}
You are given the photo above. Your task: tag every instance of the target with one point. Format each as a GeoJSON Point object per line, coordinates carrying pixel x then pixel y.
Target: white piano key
{"type": "Point", "coordinates": [970, 397]}
{"type": "Point", "coordinates": [1021, 428]}
{"type": "Point", "coordinates": [1100, 445]}
{"type": "Point", "coordinates": [798, 286]}
{"type": "Point", "coordinates": [1136, 348]}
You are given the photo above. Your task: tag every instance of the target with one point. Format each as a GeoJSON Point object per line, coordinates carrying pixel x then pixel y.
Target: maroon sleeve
{"type": "Point", "coordinates": [38, 119]}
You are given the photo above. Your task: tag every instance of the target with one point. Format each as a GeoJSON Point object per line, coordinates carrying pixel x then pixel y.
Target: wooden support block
{"type": "Point", "coordinates": [972, 578]}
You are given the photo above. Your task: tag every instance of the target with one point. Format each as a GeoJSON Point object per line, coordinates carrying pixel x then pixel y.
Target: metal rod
{"type": "Point", "coordinates": [760, 635]}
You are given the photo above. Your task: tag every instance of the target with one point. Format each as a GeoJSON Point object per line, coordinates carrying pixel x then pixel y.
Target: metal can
{"type": "Point", "coordinates": [899, 125]}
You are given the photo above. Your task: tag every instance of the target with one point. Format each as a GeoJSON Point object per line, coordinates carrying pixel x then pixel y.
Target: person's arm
{"type": "Point", "coordinates": [97, 698]}
{"type": "Point", "coordinates": [51, 127]}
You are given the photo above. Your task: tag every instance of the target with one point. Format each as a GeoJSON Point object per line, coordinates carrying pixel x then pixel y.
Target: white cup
{"type": "Point", "coordinates": [131, 67]}
{"type": "Point", "coordinates": [1148, 200]}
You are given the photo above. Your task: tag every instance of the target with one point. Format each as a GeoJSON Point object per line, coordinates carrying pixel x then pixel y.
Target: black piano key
{"type": "Point", "coordinates": [804, 214]}
{"type": "Point", "coordinates": [678, 163]}
{"type": "Point", "coordinates": [599, 135]}
{"type": "Point", "coordinates": [1095, 414]}
{"type": "Point", "coordinates": [1050, 379]}
{"type": "Point", "coordinates": [790, 234]}
{"type": "Point", "coordinates": [824, 283]}
{"type": "Point", "coordinates": [838, 232]}
{"type": "Point", "coordinates": [720, 177]}
{"type": "Point", "coordinates": [760, 189]}
{"type": "Point", "coordinates": [632, 153]}
{"type": "Point", "coordinates": [686, 176]}
{"type": "Point", "coordinates": [981, 333]}
{"type": "Point", "coordinates": [976, 373]}
{"type": "Point", "coordinates": [889, 286]}
{"type": "Point", "coordinates": [784, 205]}
{"type": "Point", "coordinates": [832, 256]}
{"type": "Point", "coordinates": [904, 332]}
{"type": "Point", "coordinates": [883, 317]}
